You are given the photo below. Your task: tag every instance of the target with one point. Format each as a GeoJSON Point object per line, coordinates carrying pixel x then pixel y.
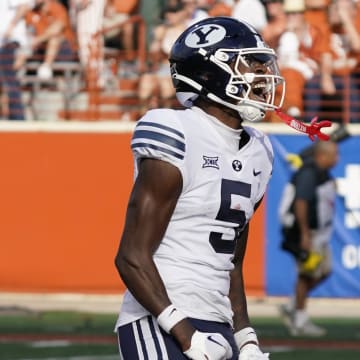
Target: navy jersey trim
{"type": "Point", "coordinates": [159, 148]}
{"type": "Point", "coordinates": [162, 138]}
{"type": "Point", "coordinates": [164, 127]}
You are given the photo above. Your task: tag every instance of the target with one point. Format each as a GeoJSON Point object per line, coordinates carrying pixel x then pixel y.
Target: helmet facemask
{"type": "Point", "coordinates": [253, 77]}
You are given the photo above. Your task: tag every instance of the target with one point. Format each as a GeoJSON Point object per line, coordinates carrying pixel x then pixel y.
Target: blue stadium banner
{"type": "Point", "coordinates": [345, 242]}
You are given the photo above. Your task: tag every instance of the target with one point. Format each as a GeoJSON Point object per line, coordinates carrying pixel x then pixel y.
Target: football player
{"type": "Point", "coordinates": [200, 174]}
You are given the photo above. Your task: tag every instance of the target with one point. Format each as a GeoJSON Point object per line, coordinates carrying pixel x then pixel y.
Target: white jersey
{"type": "Point", "coordinates": [8, 10]}
{"type": "Point", "coordinates": [221, 185]}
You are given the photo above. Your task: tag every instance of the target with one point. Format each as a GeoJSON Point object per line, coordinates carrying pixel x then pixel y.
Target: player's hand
{"type": "Point", "coordinates": [252, 352]}
{"type": "Point", "coordinates": [208, 346]}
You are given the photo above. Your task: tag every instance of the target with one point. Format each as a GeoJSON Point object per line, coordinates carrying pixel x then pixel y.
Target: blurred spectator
{"type": "Point", "coordinates": [66, 3]}
{"type": "Point", "coordinates": [4, 108]}
{"type": "Point", "coordinates": [116, 13]}
{"type": "Point", "coordinates": [300, 52]}
{"type": "Point", "coordinates": [12, 35]}
{"type": "Point", "coordinates": [321, 85]}
{"type": "Point", "coordinates": [89, 16]}
{"type": "Point", "coordinates": [356, 71]}
{"type": "Point", "coordinates": [306, 214]}
{"type": "Point", "coordinates": [194, 12]}
{"type": "Point", "coordinates": [151, 12]}
{"type": "Point", "coordinates": [343, 16]}
{"type": "Point", "coordinates": [251, 11]}
{"type": "Point", "coordinates": [276, 22]}
{"type": "Point", "coordinates": [220, 8]}
{"type": "Point", "coordinates": [316, 15]}
{"type": "Point", "coordinates": [52, 36]}
{"type": "Point", "coordinates": [345, 48]}
{"type": "Point", "coordinates": [204, 4]}
{"type": "Point", "coordinates": [156, 85]}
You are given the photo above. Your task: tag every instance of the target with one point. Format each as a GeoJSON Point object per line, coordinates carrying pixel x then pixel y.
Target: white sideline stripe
{"type": "Point", "coordinates": [67, 127]}
{"type": "Point", "coordinates": [50, 343]}
{"type": "Point", "coordinates": [97, 357]}
{"type": "Point", "coordinates": [128, 126]}
{"type": "Point", "coordinates": [278, 348]}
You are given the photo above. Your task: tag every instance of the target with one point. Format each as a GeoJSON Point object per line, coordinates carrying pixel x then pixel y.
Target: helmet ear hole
{"type": "Point", "coordinates": [232, 89]}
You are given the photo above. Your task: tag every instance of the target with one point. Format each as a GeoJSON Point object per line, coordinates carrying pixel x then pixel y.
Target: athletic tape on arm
{"type": "Point", "coordinates": [245, 336]}
{"type": "Point", "coordinates": [169, 317]}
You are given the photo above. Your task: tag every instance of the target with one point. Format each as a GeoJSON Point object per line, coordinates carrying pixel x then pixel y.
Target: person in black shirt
{"type": "Point", "coordinates": [306, 216]}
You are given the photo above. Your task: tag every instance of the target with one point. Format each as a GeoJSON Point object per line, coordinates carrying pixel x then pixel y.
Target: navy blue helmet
{"type": "Point", "coordinates": [227, 61]}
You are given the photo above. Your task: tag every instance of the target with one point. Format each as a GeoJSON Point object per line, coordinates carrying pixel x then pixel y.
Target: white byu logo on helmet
{"type": "Point", "coordinates": [205, 35]}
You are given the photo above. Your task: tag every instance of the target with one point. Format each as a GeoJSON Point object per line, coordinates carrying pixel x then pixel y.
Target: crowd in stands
{"type": "Point", "coordinates": [317, 42]}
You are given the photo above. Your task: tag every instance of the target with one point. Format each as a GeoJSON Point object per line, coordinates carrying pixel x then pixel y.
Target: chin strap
{"type": "Point", "coordinates": [312, 130]}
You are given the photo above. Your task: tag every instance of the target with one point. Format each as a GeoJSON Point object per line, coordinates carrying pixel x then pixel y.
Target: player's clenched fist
{"type": "Point", "coordinates": [252, 352]}
{"type": "Point", "coordinates": [208, 346]}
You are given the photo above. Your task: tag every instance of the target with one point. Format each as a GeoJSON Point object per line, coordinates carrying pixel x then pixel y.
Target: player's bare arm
{"type": "Point", "coordinates": [301, 213]}
{"type": "Point", "coordinates": [237, 291]}
{"type": "Point", "coordinates": [156, 191]}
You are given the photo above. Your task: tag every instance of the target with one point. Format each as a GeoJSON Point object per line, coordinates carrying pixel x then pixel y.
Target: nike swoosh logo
{"type": "Point", "coordinates": [256, 173]}
{"type": "Point", "coordinates": [210, 338]}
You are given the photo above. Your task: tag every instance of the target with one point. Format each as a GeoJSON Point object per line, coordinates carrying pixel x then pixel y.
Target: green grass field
{"type": "Point", "coordinates": [77, 336]}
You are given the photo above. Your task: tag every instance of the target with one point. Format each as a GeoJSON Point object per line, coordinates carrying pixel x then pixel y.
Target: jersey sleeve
{"type": "Point", "coordinates": [159, 135]}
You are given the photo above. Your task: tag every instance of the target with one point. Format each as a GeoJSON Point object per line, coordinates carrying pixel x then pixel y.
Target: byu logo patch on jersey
{"type": "Point", "coordinates": [236, 164]}
{"type": "Point", "coordinates": [211, 161]}
{"type": "Point", "coordinates": [205, 35]}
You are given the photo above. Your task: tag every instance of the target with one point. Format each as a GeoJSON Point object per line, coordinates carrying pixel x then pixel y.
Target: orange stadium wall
{"type": "Point", "coordinates": [63, 199]}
